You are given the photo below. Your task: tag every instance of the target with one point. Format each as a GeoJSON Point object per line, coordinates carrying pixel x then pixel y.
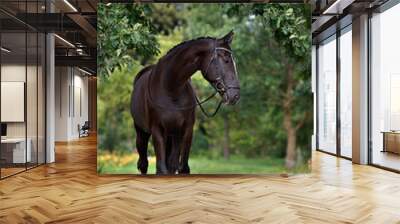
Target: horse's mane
{"type": "Point", "coordinates": [185, 43]}
{"type": "Point", "coordinates": [141, 72]}
{"type": "Point", "coordinates": [170, 52]}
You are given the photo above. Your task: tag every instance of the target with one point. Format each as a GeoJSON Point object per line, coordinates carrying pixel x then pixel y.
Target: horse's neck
{"type": "Point", "coordinates": [180, 68]}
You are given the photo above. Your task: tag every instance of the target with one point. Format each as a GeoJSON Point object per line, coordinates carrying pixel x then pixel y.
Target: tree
{"type": "Point", "coordinates": [166, 17]}
{"type": "Point", "coordinates": [227, 141]}
{"type": "Point", "coordinates": [290, 25]}
{"type": "Point", "coordinates": [115, 121]}
{"type": "Point", "coordinates": [125, 35]}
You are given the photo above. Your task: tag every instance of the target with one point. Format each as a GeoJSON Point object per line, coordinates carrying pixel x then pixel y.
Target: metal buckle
{"type": "Point", "coordinates": [219, 85]}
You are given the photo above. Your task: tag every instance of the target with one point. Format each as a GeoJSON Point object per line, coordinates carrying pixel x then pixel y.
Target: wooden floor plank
{"type": "Point", "coordinates": [70, 191]}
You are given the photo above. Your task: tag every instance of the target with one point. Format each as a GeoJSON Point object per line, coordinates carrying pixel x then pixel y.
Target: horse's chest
{"type": "Point", "coordinates": [174, 118]}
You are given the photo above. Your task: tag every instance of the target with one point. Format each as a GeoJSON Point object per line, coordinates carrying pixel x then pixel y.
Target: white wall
{"type": "Point", "coordinates": [71, 102]}
{"type": "Point", "coordinates": [11, 73]}
{"type": "Point", "coordinates": [16, 73]}
{"type": "Point", "coordinates": [61, 103]}
{"type": "Point", "coordinates": [33, 127]}
{"type": "Point", "coordinates": [80, 109]}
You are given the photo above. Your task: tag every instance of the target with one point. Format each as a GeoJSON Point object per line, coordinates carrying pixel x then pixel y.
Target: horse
{"type": "Point", "coordinates": [163, 101]}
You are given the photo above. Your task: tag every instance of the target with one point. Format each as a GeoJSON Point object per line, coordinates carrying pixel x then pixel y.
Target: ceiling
{"type": "Point", "coordinates": [328, 16]}
{"type": "Point", "coordinates": [73, 21]}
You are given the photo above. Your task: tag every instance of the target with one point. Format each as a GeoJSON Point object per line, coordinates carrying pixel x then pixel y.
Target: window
{"type": "Point", "coordinates": [22, 77]}
{"type": "Point", "coordinates": [346, 92]}
{"type": "Point", "coordinates": [385, 89]}
{"type": "Point", "coordinates": [327, 95]}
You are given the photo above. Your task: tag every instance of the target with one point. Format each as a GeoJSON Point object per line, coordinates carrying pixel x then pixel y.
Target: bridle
{"type": "Point", "coordinates": [217, 84]}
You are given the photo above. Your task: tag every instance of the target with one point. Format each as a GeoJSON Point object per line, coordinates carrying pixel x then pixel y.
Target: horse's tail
{"type": "Point", "coordinates": [141, 72]}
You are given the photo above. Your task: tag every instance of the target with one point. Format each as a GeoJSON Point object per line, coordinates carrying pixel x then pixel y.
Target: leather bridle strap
{"type": "Point", "coordinates": [215, 54]}
{"type": "Point", "coordinates": [201, 106]}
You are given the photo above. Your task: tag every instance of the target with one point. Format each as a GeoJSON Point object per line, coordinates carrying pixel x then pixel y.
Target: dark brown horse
{"type": "Point", "coordinates": [163, 101]}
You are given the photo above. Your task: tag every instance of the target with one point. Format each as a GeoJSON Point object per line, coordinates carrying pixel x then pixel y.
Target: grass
{"type": "Point", "coordinates": [112, 163]}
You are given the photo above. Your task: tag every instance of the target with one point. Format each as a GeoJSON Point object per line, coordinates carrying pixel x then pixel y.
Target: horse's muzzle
{"type": "Point", "coordinates": [231, 97]}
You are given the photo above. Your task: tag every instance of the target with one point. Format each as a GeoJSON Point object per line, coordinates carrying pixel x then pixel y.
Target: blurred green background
{"type": "Point", "coordinates": [268, 131]}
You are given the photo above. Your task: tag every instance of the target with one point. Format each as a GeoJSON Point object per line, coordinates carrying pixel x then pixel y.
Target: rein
{"type": "Point", "coordinates": [208, 98]}
{"type": "Point", "coordinates": [217, 84]}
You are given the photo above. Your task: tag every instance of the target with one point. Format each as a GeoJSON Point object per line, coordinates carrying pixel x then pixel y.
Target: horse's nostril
{"type": "Point", "coordinates": [236, 97]}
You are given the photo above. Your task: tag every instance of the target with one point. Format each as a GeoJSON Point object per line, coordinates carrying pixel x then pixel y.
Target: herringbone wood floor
{"type": "Point", "coordinates": [70, 191]}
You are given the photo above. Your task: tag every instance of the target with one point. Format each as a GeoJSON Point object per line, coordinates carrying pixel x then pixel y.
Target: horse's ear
{"type": "Point", "coordinates": [228, 37]}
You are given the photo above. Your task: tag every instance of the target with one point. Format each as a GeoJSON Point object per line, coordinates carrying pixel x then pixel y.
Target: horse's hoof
{"type": "Point", "coordinates": [143, 171]}
{"type": "Point", "coordinates": [172, 170]}
{"type": "Point", "coordinates": [184, 170]}
{"type": "Point", "coordinates": [162, 171]}
{"type": "Point", "coordinates": [142, 166]}
{"type": "Point", "coordinates": [173, 167]}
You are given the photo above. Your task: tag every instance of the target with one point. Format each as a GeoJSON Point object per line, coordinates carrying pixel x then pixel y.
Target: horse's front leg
{"type": "Point", "coordinates": [185, 150]}
{"type": "Point", "coordinates": [173, 159]}
{"type": "Point", "coordinates": [159, 141]}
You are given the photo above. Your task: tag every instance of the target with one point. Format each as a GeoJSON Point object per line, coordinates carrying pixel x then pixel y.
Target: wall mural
{"type": "Point", "coordinates": [204, 88]}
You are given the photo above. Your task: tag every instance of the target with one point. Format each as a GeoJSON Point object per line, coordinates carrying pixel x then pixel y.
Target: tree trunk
{"type": "Point", "coordinates": [291, 130]}
{"type": "Point", "coordinates": [290, 160]}
{"type": "Point", "coordinates": [203, 130]}
{"type": "Point", "coordinates": [226, 137]}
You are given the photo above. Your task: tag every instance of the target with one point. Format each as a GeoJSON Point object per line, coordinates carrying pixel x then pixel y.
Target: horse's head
{"type": "Point", "coordinates": [220, 70]}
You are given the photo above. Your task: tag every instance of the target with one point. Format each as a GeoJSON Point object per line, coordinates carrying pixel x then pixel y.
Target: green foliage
{"type": "Point", "coordinates": [262, 52]}
{"type": "Point", "coordinates": [124, 31]}
{"type": "Point", "coordinates": [115, 123]}
{"type": "Point", "coordinates": [207, 20]}
{"type": "Point", "coordinates": [166, 17]}
{"type": "Point", "coordinates": [123, 163]}
{"type": "Point", "coordinates": [291, 27]}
